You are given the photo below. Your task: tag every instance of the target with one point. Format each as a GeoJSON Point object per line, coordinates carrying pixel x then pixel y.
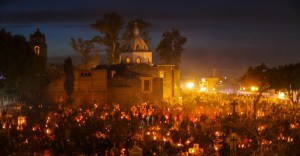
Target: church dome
{"type": "Point", "coordinates": [136, 44]}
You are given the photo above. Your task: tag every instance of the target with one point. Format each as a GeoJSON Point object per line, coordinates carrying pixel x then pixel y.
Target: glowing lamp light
{"type": "Point", "coordinates": [216, 147]}
{"type": "Point", "coordinates": [281, 95]}
{"type": "Point", "coordinates": [21, 120]}
{"type": "Point", "coordinates": [253, 88]}
{"type": "Point", "coordinates": [190, 85]}
{"type": "Point", "coordinates": [48, 131]}
{"type": "Point", "coordinates": [154, 138]}
{"type": "Point", "coordinates": [179, 144]}
{"type": "Point", "coordinates": [164, 139]}
{"type": "Point", "coordinates": [191, 150]}
{"type": "Point", "coordinates": [203, 89]}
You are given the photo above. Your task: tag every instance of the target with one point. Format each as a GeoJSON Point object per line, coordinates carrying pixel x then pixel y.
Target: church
{"type": "Point", "coordinates": [136, 79]}
{"type": "Point", "coordinates": [133, 80]}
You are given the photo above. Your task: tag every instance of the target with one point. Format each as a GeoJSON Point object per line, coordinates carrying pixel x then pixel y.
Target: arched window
{"type": "Point", "coordinates": [127, 60]}
{"type": "Point", "coordinates": [138, 60]}
{"type": "Point", "coordinates": [36, 50]}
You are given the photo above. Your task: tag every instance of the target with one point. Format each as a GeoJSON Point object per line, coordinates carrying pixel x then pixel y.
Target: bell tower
{"type": "Point", "coordinates": [37, 41]}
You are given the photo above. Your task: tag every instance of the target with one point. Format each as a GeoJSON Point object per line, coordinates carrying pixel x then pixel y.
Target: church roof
{"type": "Point", "coordinates": [136, 44]}
{"type": "Point", "coordinates": [37, 34]}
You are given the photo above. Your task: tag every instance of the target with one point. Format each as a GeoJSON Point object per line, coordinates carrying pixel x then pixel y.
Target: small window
{"type": "Point", "coordinates": [85, 74]}
{"type": "Point", "coordinates": [148, 60]}
{"type": "Point", "coordinates": [138, 60]}
{"type": "Point", "coordinates": [127, 60]}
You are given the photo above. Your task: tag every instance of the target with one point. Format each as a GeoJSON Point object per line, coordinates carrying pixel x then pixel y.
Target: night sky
{"type": "Point", "coordinates": [226, 35]}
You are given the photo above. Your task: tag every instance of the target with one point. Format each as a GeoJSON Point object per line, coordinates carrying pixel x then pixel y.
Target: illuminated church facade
{"type": "Point", "coordinates": [136, 79]}
{"type": "Point", "coordinates": [133, 80]}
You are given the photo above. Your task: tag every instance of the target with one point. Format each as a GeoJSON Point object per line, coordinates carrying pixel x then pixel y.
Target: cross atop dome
{"type": "Point", "coordinates": [136, 29]}
{"type": "Point", "coordinates": [136, 44]}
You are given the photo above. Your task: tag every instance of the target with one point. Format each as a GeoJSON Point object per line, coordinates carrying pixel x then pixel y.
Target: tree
{"type": "Point", "coordinates": [286, 78]}
{"type": "Point", "coordinates": [23, 73]}
{"type": "Point", "coordinates": [110, 27]}
{"type": "Point", "coordinates": [85, 47]}
{"type": "Point", "coordinates": [170, 47]}
{"type": "Point", "coordinates": [69, 79]}
{"type": "Point", "coordinates": [259, 77]}
{"type": "Point", "coordinates": [144, 28]}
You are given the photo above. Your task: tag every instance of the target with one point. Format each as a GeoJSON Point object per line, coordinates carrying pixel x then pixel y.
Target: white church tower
{"type": "Point", "coordinates": [136, 52]}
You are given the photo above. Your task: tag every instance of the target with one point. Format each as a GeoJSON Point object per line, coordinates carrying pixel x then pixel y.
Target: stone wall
{"type": "Point", "coordinates": [170, 76]}
{"type": "Point", "coordinates": [90, 86]}
{"type": "Point", "coordinates": [128, 91]}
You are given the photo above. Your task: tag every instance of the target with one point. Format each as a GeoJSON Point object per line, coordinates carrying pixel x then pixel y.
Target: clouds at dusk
{"type": "Point", "coordinates": [222, 34]}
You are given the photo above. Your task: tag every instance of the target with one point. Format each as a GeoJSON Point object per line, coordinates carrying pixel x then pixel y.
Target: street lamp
{"type": "Point", "coordinates": [253, 88]}
{"type": "Point", "coordinates": [190, 85]}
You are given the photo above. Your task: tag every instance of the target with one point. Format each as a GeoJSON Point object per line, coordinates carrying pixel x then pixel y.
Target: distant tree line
{"type": "Point", "coordinates": [285, 78]}
{"type": "Point", "coordinates": [23, 73]}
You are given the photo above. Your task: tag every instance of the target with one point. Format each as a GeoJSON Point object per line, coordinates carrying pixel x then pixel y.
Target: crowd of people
{"type": "Point", "coordinates": [206, 124]}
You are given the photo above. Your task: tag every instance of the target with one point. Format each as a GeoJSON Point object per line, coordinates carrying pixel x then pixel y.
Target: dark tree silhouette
{"type": "Point", "coordinates": [23, 74]}
{"type": "Point", "coordinates": [286, 78]}
{"type": "Point", "coordinates": [109, 27]}
{"type": "Point", "coordinates": [170, 48]}
{"type": "Point", "coordinates": [85, 48]}
{"type": "Point", "coordinates": [69, 79]}
{"type": "Point", "coordinates": [258, 76]}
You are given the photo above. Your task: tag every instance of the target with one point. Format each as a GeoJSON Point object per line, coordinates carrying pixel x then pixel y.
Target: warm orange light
{"type": "Point", "coordinates": [190, 85]}
{"type": "Point", "coordinates": [254, 88]}
{"type": "Point", "coordinates": [281, 95]}
{"type": "Point", "coordinates": [203, 89]}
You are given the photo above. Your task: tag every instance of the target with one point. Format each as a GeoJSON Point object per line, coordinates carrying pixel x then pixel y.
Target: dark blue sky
{"type": "Point", "coordinates": [223, 34]}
